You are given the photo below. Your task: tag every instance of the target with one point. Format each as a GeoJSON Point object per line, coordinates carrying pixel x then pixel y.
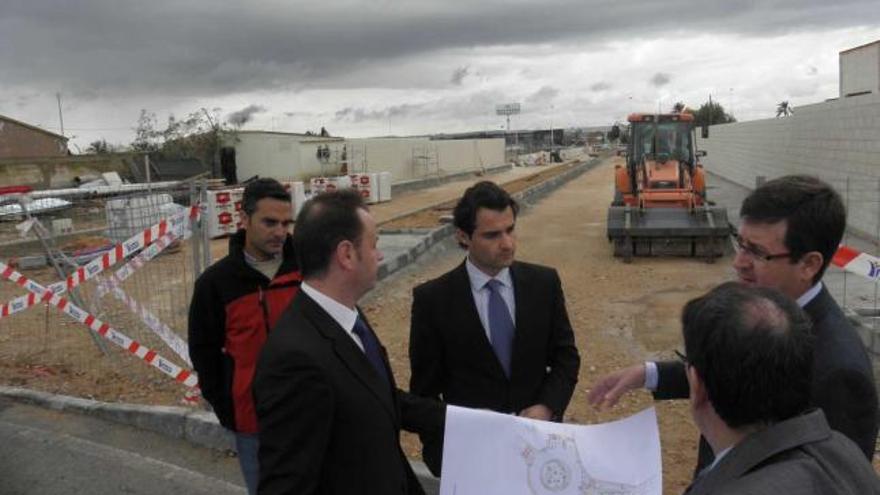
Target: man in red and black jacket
{"type": "Point", "coordinates": [235, 304]}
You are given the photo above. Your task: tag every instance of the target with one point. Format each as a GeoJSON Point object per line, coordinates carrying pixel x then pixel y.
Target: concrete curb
{"type": "Point", "coordinates": [194, 426]}
{"type": "Point", "coordinates": [432, 237]}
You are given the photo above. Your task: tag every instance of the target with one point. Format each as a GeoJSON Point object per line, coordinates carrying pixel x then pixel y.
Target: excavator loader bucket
{"type": "Point", "coordinates": [702, 232]}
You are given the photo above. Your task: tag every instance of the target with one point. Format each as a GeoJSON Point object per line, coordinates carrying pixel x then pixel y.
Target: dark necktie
{"type": "Point", "coordinates": [501, 326]}
{"type": "Point", "coordinates": [371, 348]}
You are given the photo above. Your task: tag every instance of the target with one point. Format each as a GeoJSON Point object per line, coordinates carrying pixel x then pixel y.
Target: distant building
{"type": "Point", "coordinates": [525, 141]}
{"type": "Point", "coordinates": [20, 140]}
{"type": "Point", "coordinates": [860, 70]}
{"type": "Point", "coordinates": [291, 156]}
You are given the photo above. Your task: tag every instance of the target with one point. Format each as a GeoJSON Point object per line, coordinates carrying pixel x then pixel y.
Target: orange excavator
{"type": "Point", "coordinates": [660, 205]}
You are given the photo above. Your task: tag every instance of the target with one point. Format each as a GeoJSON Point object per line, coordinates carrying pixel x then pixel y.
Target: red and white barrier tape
{"type": "Point", "coordinates": [192, 396]}
{"type": "Point", "coordinates": [168, 336]}
{"type": "Point", "coordinates": [149, 253]}
{"type": "Point", "coordinates": [134, 243]}
{"type": "Point", "coordinates": [114, 281]}
{"type": "Point", "coordinates": [857, 262]}
{"type": "Point", "coordinates": [149, 356]}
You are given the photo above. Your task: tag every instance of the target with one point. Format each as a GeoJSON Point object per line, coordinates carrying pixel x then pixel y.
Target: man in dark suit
{"type": "Point", "coordinates": [327, 405]}
{"type": "Point", "coordinates": [493, 333]}
{"type": "Point", "coordinates": [790, 230]}
{"type": "Point", "coordinates": [749, 361]}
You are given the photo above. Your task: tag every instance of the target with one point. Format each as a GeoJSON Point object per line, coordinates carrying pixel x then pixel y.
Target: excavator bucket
{"type": "Point", "coordinates": [702, 232]}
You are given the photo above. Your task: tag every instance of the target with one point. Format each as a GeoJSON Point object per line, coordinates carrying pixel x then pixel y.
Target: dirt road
{"type": "Point", "coordinates": [621, 313]}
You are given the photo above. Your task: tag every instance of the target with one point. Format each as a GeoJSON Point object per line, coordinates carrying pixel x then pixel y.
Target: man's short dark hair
{"type": "Point", "coordinates": [753, 350]}
{"type": "Point", "coordinates": [261, 189]}
{"type": "Point", "coordinates": [483, 194]}
{"type": "Point", "coordinates": [813, 210]}
{"type": "Point", "coordinates": [324, 221]}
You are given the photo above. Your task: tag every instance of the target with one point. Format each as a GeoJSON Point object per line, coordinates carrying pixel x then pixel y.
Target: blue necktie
{"type": "Point", "coordinates": [371, 348]}
{"type": "Point", "coordinates": [501, 326]}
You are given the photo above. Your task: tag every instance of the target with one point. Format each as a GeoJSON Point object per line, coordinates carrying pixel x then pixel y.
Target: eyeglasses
{"type": "Point", "coordinates": [755, 254]}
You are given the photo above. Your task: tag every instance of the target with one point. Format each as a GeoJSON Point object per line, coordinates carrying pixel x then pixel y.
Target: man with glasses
{"type": "Point", "coordinates": [790, 229]}
{"type": "Point", "coordinates": [766, 437]}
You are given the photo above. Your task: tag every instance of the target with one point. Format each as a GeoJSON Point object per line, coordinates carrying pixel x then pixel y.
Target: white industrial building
{"type": "Point", "coordinates": [860, 70]}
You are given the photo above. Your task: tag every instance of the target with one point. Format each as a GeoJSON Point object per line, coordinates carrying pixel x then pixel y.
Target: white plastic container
{"type": "Point", "coordinates": [338, 183]}
{"type": "Point", "coordinates": [129, 216]}
{"type": "Point", "coordinates": [223, 208]}
{"type": "Point", "coordinates": [297, 190]}
{"type": "Point", "coordinates": [317, 185]}
{"type": "Point", "coordinates": [384, 186]}
{"type": "Point", "coordinates": [367, 185]}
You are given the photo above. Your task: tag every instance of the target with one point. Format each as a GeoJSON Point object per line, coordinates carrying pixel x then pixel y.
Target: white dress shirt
{"type": "Point", "coordinates": [342, 314]}
{"type": "Point", "coordinates": [480, 292]}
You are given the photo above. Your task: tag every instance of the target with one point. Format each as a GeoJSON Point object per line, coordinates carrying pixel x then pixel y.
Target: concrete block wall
{"type": "Point", "coordinates": [45, 173]}
{"type": "Point", "coordinates": [838, 141]}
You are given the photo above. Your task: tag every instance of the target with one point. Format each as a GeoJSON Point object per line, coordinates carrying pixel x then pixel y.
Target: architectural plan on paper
{"type": "Point", "coordinates": [488, 453]}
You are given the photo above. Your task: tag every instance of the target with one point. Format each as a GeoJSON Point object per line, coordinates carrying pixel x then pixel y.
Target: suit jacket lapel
{"type": "Point", "coordinates": [349, 353]}
{"type": "Point", "coordinates": [468, 319]}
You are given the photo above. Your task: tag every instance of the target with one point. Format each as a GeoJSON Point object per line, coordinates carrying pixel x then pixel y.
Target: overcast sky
{"type": "Point", "coordinates": [379, 67]}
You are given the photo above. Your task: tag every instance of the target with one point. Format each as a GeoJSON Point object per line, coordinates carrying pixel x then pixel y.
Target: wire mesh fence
{"type": "Point", "coordinates": [858, 293]}
{"type": "Point", "coordinates": [144, 295]}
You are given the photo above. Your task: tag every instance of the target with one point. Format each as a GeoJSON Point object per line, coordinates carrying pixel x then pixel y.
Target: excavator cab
{"type": "Point", "coordinates": [659, 205]}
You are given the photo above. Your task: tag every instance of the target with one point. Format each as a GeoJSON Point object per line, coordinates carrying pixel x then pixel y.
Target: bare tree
{"type": "Point", "coordinates": [784, 109]}
{"type": "Point", "coordinates": [100, 147]}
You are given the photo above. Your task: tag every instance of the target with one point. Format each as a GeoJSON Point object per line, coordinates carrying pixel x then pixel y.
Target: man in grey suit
{"type": "Point", "coordinates": [749, 361]}
{"type": "Point", "coordinates": [790, 230]}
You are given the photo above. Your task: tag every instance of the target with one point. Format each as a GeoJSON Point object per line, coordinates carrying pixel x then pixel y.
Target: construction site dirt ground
{"type": "Point", "coordinates": [621, 313]}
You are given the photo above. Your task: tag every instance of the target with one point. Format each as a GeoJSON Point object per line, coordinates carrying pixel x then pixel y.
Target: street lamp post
{"type": "Point", "coordinates": [507, 110]}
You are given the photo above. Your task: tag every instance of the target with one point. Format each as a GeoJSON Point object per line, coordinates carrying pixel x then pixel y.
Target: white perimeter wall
{"type": "Point", "coordinates": [266, 155]}
{"type": "Point", "coordinates": [294, 157]}
{"type": "Point", "coordinates": [416, 158]}
{"type": "Point", "coordinates": [838, 141]}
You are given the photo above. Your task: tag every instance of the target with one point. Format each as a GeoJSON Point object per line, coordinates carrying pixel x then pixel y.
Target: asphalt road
{"type": "Point", "coordinates": [46, 452]}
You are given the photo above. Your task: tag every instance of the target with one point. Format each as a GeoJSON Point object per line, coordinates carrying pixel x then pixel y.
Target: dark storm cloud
{"type": "Point", "coordinates": [458, 75]}
{"type": "Point", "coordinates": [357, 114]}
{"type": "Point", "coordinates": [243, 116]}
{"type": "Point", "coordinates": [454, 107]}
{"type": "Point", "coordinates": [204, 48]}
{"type": "Point", "coordinates": [660, 79]}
